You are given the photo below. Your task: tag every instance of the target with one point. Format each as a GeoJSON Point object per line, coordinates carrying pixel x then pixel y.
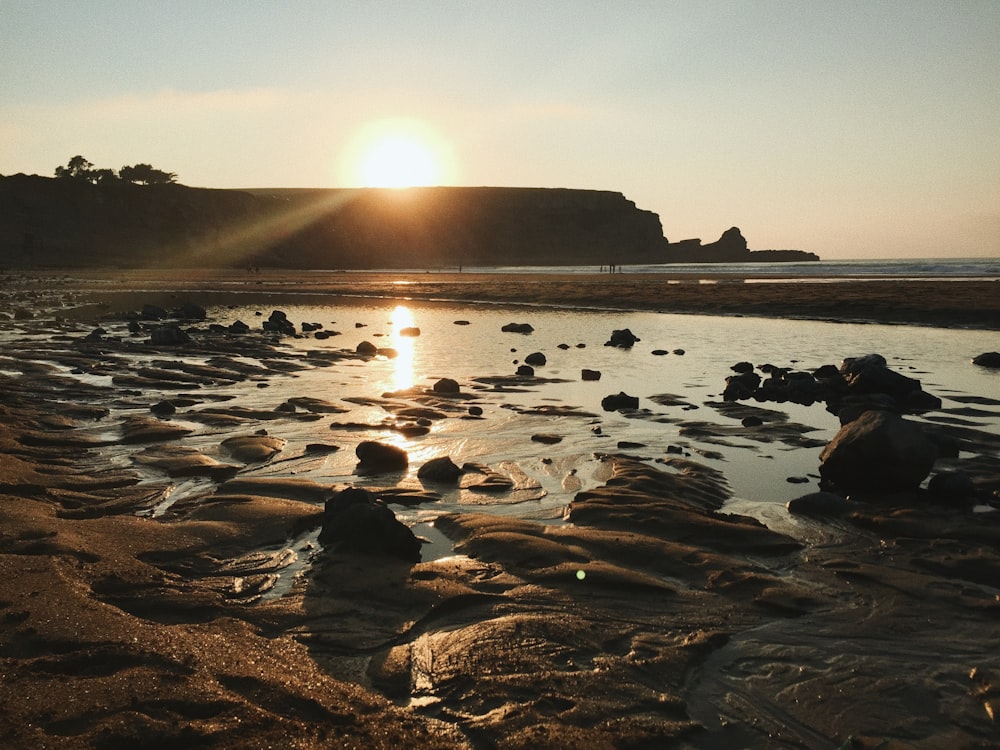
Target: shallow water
{"type": "Point", "coordinates": [758, 472]}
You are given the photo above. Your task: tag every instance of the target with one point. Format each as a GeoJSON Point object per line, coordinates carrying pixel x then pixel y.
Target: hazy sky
{"type": "Point", "coordinates": [851, 129]}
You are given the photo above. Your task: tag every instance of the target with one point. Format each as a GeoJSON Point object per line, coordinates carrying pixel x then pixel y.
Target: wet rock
{"type": "Point", "coordinates": [355, 521]}
{"type": "Point", "coordinates": [153, 312]}
{"type": "Point", "coordinates": [190, 311]}
{"type": "Point", "coordinates": [366, 349]}
{"type": "Point", "coordinates": [752, 421]}
{"type": "Point", "coordinates": [820, 505]}
{"type": "Point", "coordinates": [475, 411]}
{"type": "Point", "coordinates": [659, 352]}
{"type": "Point", "coordinates": [590, 375]}
{"type": "Point", "coordinates": [278, 322]}
{"type": "Point", "coordinates": [163, 409]}
{"type": "Point", "coordinates": [377, 458]}
{"type": "Point", "coordinates": [535, 359]}
{"type": "Point", "coordinates": [742, 367]}
{"type": "Point", "coordinates": [442, 470]}
{"type": "Point", "coordinates": [879, 451]}
{"type": "Point", "coordinates": [679, 352]}
{"type": "Point", "coordinates": [310, 327]}
{"type": "Point", "coordinates": [620, 401]}
{"type": "Point", "coordinates": [952, 487]}
{"type": "Point", "coordinates": [623, 339]}
{"type": "Point", "coordinates": [526, 371]}
{"type": "Point", "coordinates": [322, 335]}
{"type": "Point", "coordinates": [462, 322]}
{"type": "Point", "coordinates": [987, 359]}
{"type": "Point", "coordinates": [546, 438]}
{"type": "Point", "coordinates": [447, 386]}
{"type": "Point", "coordinates": [411, 331]}
{"type": "Point", "coordinates": [138, 429]}
{"type": "Point", "coordinates": [321, 448]}
{"type": "Point", "coordinates": [524, 328]}
{"type": "Point", "coordinates": [251, 449]}
{"type": "Point", "coordinates": [239, 327]}
{"type": "Point", "coordinates": [168, 336]}
{"type": "Point", "coordinates": [741, 387]}
{"type": "Point", "coordinates": [871, 374]}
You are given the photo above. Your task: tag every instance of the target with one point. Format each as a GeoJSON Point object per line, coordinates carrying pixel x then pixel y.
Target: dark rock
{"type": "Point", "coordinates": [310, 327]}
{"type": "Point", "coordinates": [586, 374]}
{"type": "Point", "coordinates": [321, 335]}
{"type": "Point", "coordinates": [517, 328]}
{"type": "Point", "coordinates": [620, 401]}
{"type": "Point", "coordinates": [740, 387]}
{"type": "Point", "coordinates": [679, 352]}
{"type": "Point", "coordinates": [377, 458]}
{"type": "Point", "coordinates": [190, 311]}
{"type": "Point", "coordinates": [278, 322]}
{"type": "Point", "coordinates": [623, 339]}
{"type": "Point", "coordinates": [239, 327]}
{"type": "Point", "coordinates": [546, 438]}
{"type": "Point", "coordinates": [168, 336]}
{"type": "Point", "coordinates": [535, 359]}
{"type": "Point", "coordinates": [752, 421]}
{"type": "Point", "coordinates": [526, 371]}
{"type": "Point", "coordinates": [476, 411]}
{"type": "Point", "coordinates": [153, 312]}
{"type": "Point", "coordinates": [255, 448]}
{"type": "Point", "coordinates": [953, 487]}
{"type": "Point", "coordinates": [742, 367]}
{"type": "Point", "coordinates": [163, 409]}
{"type": "Point", "coordinates": [659, 352]}
{"type": "Point", "coordinates": [314, 448]}
{"type": "Point", "coordinates": [871, 374]}
{"type": "Point", "coordinates": [820, 504]}
{"type": "Point", "coordinates": [441, 469]}
{"type": "Point", "coordinates": [462, 322]}
{"type": "Point", "coordinates": [447, 386]}
{"type": "Point", "coordinates": [880, 452]}
{"type": "Point", "coordinates": [355, 521]}
{"type": "Point", "coordinates": [987, 359]}
{"type": "Point", "coordinates": [366, 349]}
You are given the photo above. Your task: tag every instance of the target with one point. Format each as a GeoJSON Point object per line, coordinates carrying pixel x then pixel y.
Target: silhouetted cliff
{"type": "Point", "coordinates": [66, 223]}
{"type": "Point", "coordinates": [52, 222]}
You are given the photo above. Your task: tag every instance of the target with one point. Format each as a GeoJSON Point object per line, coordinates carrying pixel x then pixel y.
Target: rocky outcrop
{"type": "Point", "coordinates": [731, 247]}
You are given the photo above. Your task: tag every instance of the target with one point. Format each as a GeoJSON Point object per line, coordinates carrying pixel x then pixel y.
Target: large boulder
{"type": "Point", "coordinates": [871, 374]}
{"type": "Point", "coordinates": [440, 470]}
{"type": "Point", "coordinates": [278, 322]}
{"type": "Point", "coordinates": [877, 452]}
{"type": "Point", "coordinates": [987, 359]}
{"type": "Point", "coordinates": [378, 458]}
{"type": "Point", "coordinates": [621, 400]}
{"type": "Point", "coordinates": [168, 336]}
{"type": "Point", "coordinates": [356, 521]}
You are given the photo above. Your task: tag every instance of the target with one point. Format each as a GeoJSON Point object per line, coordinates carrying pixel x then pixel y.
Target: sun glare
{"type": "Point", "coordinates": [397, 154]}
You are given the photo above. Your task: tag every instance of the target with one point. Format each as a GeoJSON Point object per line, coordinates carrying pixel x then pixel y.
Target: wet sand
{"type": "Point", "coordinates": [651, 619]}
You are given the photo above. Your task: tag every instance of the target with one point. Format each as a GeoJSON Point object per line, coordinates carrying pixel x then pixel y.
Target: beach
{"type": "Point", "coordinates": [597, 590]}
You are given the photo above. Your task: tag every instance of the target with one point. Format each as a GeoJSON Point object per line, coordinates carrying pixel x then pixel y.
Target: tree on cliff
{"type": "Point", "coordinates": [78, 168]}
{"type": "Point", "coordinates": [146, 175]}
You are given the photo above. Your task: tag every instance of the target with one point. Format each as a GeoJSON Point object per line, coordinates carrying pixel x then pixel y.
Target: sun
{"type": "Point", "coordinates": [397, 153]}
{"type": "Point", "coordinates": [398, 161]}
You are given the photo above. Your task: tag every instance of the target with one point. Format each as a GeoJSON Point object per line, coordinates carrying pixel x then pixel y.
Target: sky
{"type": "Point", "coordinates": [849, 129]}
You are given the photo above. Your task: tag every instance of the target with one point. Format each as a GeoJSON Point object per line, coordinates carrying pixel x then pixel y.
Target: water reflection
{"type": "Point", "coordinates": [403, 342]}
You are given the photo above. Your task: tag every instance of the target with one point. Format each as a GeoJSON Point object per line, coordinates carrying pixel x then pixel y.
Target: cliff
{"type": "Point", "coordinates": [58, 222]}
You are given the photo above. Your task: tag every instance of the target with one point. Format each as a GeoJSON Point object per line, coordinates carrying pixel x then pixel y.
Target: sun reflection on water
{"type": "Point", "coordinates": [403, 342]}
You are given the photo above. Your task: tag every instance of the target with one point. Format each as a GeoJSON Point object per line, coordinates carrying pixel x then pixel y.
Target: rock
{"type": "Point", "coordinates": [411, 331]}
{"type": "Point", "coordinates": [586, 374]}
{"type": "Point", "coordinates": [239, 327]}
{"type": "Point", "coordinates": [623, 339]}
{"type": "Point", "coordinates": [366, 349]}
{"type": "Point", "coordinates": [475, 411]}
{"type": "Point", "coordinates": [378, 458]}
{"type": "Point", "coordinates": [153, 312]}
{"type": "Point", "coordinates": [620, 401]}
{"type": "Point", "coordinates": [253, 448]}
{"type": "Point", "coordinates": [820, 504]}
{"type": "Point", "coordinates": [871, 374]}
{"type": "Point", "coordinates": [740, 387]}
{"type": "Point", "coordinates": [659, 352]}
{"type": "Point", "coordinates": [310, 327]}
{"type": "Point", "coordinates": [879, 452]}
{"type": "Point", "coordinates": [952, 487]}
{"type": "Point", "coordinates": [462, 322]}
{"type": "Point", "coordinates": [447, 386]}
{"type": "Point", "coordinates": [987, 359]}
{"type": "Point", "coordinates": [742, 367]}
{"type": "Point", "coordinates": [535, 359]}
{"type": "Point", "coordinates": [278, 322]}
{"type": "Point", "coordinates": [190, 311]}
{"type": "Point", "coordinates": [752, 421]}
{"type": "Point", "coordinates": [168, 336]}
{"type": "Point", "coordinates": [441, 469]}
{"type": "Point", "coordinates": [524, 328]}
{"type": "Point", "coordinates": [546, 438]}
{"type": "Point", "coordinates": [355, 521]}
{"type": "Point", "coordinates": [163, 409]}
{"type": "Point", "coordinates": [679, 352]}
{"type": "Point", "coordinates": [321, 448]}
{"type": "Point", "coordinates": [526, 371]}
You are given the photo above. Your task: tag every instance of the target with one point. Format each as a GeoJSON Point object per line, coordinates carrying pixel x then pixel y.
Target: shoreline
{"type": "Point", "coordinates": [939, 303]}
